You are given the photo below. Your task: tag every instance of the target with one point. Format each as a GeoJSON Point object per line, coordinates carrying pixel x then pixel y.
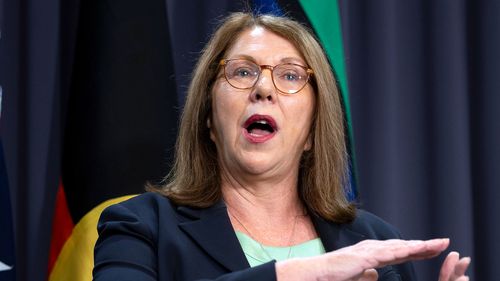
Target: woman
{"type": "Point", "coordinates": [256, 192]}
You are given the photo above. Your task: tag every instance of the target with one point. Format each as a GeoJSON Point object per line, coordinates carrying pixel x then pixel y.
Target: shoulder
{"type": "Point", "coordinates": [145, 202]}
{"type": "Point", "coordinates": [142, 211]}
{"type": "Point", "coordinates": [372, 226]}
{"type": "Point", "coordinates": [144, 205]}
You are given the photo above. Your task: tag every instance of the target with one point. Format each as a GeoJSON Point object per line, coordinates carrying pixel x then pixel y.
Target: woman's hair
{"type": "Point", "coordinates": [195, 178]}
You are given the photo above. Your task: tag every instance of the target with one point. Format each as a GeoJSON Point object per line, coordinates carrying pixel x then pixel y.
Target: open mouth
{"type": "Point", "coordinates": [260, 128]}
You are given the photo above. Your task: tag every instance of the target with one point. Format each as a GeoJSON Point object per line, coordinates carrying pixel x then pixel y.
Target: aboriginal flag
{"type": "Point", "coordinates": [120, 122]}
{"type": "Point", "coordinates": [131, 66]}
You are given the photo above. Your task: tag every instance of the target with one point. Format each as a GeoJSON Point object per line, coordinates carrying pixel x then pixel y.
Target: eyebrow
{"type": "Point", "coordinates": [246, 57]}
{"type": "Point", "coordinates": [282, 60]}
{"type": "Point", "coordinates": [293, 60]}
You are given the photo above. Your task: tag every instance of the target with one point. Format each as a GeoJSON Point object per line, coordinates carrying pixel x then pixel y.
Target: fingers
{"type": "Point", "coordinates": [453, 268]}
{"type": "Point", "coordinates": [358, 262]}
{"type": "Point", "coordinates": [462, 266]}
{"type": "Point", "coordinates": [448, 266]}
{"type": "Point", "coordinates": [428, 249]}
{"type": "Point", "coordinates": [382, 253]}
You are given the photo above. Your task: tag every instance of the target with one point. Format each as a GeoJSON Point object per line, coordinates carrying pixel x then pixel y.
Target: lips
{"type": "Point", "coordinates": [259, 128]}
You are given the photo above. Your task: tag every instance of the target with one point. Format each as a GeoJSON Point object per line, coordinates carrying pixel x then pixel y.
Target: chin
{"type": "Point", "coordinates": [258, 166]}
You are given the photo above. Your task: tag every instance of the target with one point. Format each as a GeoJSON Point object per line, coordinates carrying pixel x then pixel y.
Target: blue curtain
{"type": "Point", "coordinates": [424, 88]}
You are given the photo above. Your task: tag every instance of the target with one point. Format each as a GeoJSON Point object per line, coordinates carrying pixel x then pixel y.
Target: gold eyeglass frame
{"type": "Point", "coordinates": [223, 63]}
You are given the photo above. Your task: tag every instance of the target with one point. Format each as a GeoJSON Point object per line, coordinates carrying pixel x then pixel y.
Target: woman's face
{"type": "Point", "coordinates": [259, 131]}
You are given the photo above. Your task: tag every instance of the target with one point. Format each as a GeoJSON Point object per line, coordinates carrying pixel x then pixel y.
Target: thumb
{"type": "Point", "coordinates": [369, 275]}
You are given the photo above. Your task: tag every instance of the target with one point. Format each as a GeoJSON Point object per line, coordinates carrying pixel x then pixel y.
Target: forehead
{"type": "Point", "coordinates": [264, 46]}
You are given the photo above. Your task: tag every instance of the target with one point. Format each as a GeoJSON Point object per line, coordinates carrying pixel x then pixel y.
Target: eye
{"type": "Point", "coordinates": [242, 69]}
{"type": "Point", "coordinates": [243, 72]}
{"type": "Point", "coordinates": [291, 76]}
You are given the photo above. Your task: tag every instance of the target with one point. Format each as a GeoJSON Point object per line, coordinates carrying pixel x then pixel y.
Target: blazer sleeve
{"type": "Point", "coordinates": [127, 250]}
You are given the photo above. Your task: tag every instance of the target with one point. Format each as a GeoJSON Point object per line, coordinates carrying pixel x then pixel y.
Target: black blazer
{"type": "Point", "coordinates": [150, 238]}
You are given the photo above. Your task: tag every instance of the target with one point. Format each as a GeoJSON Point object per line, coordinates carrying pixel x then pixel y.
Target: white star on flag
{"type": "Point", "coordinates": [4, 267]}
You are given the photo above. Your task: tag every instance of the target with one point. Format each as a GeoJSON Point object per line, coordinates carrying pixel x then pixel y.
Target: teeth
{"type": "Point", "coordinates": [261, 122]}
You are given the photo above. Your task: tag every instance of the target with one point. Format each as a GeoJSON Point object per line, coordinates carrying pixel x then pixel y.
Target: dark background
{"type": "Point", "coordinates": [92, 91]}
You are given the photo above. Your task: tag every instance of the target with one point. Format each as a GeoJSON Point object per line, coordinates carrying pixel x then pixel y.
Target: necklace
{"type": "Point", "coordinates": [290, 240]}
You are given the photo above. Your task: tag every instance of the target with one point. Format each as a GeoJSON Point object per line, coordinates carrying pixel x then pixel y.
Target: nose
{"type": "Point", "coordinates": [264, 89]}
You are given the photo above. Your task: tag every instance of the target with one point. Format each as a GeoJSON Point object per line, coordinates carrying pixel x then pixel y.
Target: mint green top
{"type": "Point", "coordinates": [256, 256]}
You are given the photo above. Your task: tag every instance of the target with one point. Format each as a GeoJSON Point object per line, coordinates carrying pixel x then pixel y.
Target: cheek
{"type": "Point", "coordinates": [226, 110]}
{"type": "Point", "coordinates": [300, 112]}
{"type": "Point", "coordinates": [222, 112]}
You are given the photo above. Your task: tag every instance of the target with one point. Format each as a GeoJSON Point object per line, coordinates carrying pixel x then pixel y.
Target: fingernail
{"type": "Point", "coordinates": [441, 240]}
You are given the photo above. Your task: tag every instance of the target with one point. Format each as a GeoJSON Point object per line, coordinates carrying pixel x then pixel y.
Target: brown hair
{"type": "Point", "coordinates": [195, 177]}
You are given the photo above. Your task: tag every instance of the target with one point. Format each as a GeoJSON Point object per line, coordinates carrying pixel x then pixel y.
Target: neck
{"type": "Point", "coordinates": [267, 211]}
{"type": "Point", "coordinates": [272, 199]}
{"type": "Point", "coordinates": [267, 208]}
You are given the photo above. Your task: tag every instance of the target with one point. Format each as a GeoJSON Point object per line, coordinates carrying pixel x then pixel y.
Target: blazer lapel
{"type": "Point", "coordinates": [335, 236]}
{"type": "Point", "coordinates": [211, 229]}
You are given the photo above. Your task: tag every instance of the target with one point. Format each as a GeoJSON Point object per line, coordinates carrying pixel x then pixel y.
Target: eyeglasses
{"type": "Point", "coordinates": [288, 78]}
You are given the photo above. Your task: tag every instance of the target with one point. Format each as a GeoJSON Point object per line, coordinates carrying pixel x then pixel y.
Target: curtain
{"type": "Point", "coordinates": [423, 80]}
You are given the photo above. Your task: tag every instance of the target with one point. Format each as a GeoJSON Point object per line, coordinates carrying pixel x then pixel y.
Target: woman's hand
{"type": "Point", "coordinates": [454, 267]}
{"type": "Point", "coordinates": [357, 262]}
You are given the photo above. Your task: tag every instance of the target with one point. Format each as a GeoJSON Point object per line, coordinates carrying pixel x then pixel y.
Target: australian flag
{"type": "Point", "coordinates": [7, 258]}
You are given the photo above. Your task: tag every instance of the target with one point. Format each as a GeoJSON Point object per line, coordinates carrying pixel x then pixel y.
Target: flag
{"type": "Point", "coordinates": [130, 70]}
{"type": "Point", "coordinates": [120, 124]}
{"type": "Point", "coordinates": [7, 257]}
{"type": "Point", "coordinates": [323, 17]}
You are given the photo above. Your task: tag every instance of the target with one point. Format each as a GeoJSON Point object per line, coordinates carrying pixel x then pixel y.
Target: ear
{"type": "Point", "coordinates": [209, 126]}
{"type": "Point", "coordinates": [308, 144]}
